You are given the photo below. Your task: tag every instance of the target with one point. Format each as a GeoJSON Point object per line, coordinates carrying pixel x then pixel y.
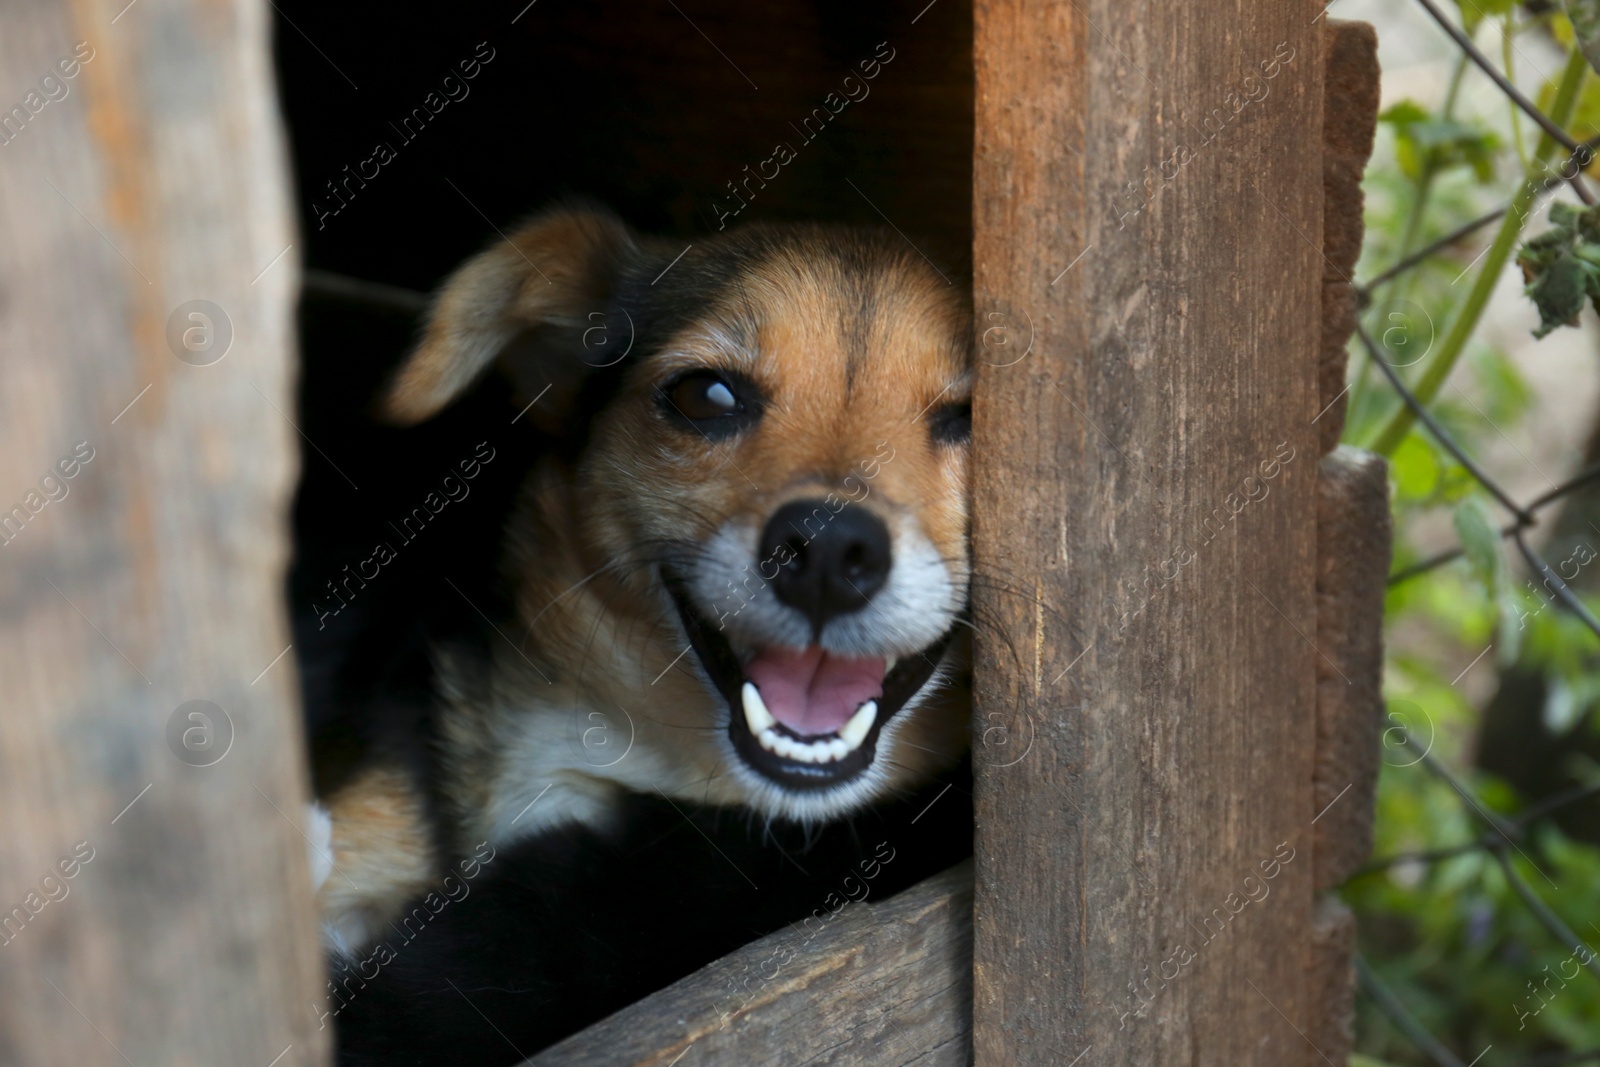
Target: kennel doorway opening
{"type": "Point", "coordinates": [1157, 209]}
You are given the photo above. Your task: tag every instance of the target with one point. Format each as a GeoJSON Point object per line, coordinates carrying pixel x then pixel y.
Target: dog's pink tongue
{"type": "Point", "coordinates": [811, 691]}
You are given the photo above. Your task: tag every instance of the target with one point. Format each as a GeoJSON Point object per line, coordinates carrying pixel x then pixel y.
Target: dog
{"type": "Point", "coordinates": [735, 573]}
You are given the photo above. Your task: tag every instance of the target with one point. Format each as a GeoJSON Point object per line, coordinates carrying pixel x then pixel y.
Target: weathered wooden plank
{"type": "Point", "coordinates": [1353, 546]}
{"type": "Point", "coordinates": [1349, 122]}
{"type": "Point", "coordinates": [1148, 195]}
{"type": "Point", "coordinates": [153, 879]}
{"type": "Point", "coordinates": [1331, 1026]}
{"type": "Point", "coordinates": [888, 984]}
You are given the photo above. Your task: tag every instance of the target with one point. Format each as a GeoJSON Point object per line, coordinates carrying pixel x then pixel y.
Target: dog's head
{"type": "Point", "coordinates": [762, 492]}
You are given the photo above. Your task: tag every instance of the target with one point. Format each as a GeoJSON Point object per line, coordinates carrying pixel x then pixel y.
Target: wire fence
{"type": "Point", "coordinates": [1502, 837]}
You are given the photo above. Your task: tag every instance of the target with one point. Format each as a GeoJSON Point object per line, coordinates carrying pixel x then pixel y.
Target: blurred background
{"type": "Point", "coordinates": [1480, 910]}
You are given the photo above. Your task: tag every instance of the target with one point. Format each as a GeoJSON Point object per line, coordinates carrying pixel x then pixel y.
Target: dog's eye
{"type": "Point", "coordinates": [952, 424]}
{"type": "Point", "coordinates": [709, 401]}
{"type": "Point", "coordinates": [704, 396]}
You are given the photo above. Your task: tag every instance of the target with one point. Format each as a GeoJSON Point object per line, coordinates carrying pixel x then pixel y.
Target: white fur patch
{"type": "Point", "coordinates": [319, 844]}
{"type": "Point", "coordinates": [564, 775]}
{"type": "Point", "coordinates": [916, 606]}
{"type": "Point", "coordinates": [340, 933]}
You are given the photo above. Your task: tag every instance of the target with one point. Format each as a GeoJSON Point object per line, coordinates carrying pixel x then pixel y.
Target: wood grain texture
{"type": "Point", "coordinates": [1332, 980]}
{"type": "Point", "coordinates": [1349, 122]}
{"type": "Point", "coordinates": [1150, 201]}
{"type": "Point", "coordinates": [888, 984]}
{"type": "Point", "coordinates": [1354, 534]}
{"type": "Point", "coordinates": [150, 176]}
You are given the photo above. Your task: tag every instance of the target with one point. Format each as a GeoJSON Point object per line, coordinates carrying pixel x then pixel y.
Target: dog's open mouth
{"type": "Point", "coordinates": [805, 718]}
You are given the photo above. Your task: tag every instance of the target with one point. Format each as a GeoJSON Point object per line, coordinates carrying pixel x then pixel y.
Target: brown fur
{"type": "Point", "coordinates": [851, 358]}
{"type": "Point", "coordinates": [381, 849]}
{"type": "Point", "coordinates": [547, 273]}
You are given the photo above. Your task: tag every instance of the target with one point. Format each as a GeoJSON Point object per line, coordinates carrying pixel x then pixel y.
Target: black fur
{"type": "Point", "coordinates": [560, 931]}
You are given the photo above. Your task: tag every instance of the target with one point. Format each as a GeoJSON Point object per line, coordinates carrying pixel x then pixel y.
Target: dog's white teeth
{"type": "Point", "coordinates": [755, 710]}
{"type": "Point", "coordinates": [821, 751]}
{"type": "Point", "coordinates": [855, 731]}
{"type": "Point", "coordinates": [824, 750]}
{"type": "Point", "coordinates": [889, 664]}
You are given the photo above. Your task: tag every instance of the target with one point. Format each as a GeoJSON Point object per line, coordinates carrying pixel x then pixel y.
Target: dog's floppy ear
{"type": "Point", "coordinates": [527, 299]}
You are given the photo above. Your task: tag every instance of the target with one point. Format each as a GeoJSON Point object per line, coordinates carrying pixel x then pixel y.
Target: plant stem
{"type": "Point", "coordinates": [1505, 241]}
{"type": "Point", "coordinates": [1516, 114]}
{"type": "Point", "coordinates": [1423, 190]}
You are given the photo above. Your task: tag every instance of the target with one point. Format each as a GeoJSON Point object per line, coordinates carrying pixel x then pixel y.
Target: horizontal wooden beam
{"type": "Point", "coordinates": [888, 984]}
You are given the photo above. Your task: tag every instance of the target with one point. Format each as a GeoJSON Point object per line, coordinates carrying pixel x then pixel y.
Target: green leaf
{"type": "Point", "coordinates": [1585, 121]}
{"type": "Point", "coordinates": [1422, 141]}
{"type": "Point", "coordinates": [1454, 143]}
{"type": "Point", "coordinates": [1585, 18]}
{"type": "Point", "coordinates": [1402, 117]}
{"type": "Point", "coordinates": [1474, 11]}
{"type": "Point", "coordinates": [1558, 293]}
{"type": "Point", "coordinates": [1481, 542]}
{"type": "Point", "coordinates": [1511, 624]}
{"type": "Point", "coordinates": [1564, 216]}
{"type": "Point", "coordinates": [1404, 113]}
{"type": "Point", "coordinates": [1415, 469]}
{"type": "Point", "coordinates": [1479, 539]}
{"type": "Point", "coordinates": [1562, 266]}
{"type": "Point", "coordinates": [1506, 395]}
{"type": "Point", "coordinates": [1561, 707]}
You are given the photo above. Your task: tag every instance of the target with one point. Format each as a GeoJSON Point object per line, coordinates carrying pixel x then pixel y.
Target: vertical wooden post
{"type": "Point", "coordinates": [1148, 206]}
{"type": "Point", "coordinates": [154, 892]}
{"type": "Point", "coordinates": [1354, 531]}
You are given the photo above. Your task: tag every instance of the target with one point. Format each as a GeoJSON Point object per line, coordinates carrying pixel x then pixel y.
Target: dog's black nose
{"type": "Point", "coordinates": [828, 563]}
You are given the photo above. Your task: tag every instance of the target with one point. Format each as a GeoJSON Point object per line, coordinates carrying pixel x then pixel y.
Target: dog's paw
{"type": "Point", "coordinates": [319, 844]}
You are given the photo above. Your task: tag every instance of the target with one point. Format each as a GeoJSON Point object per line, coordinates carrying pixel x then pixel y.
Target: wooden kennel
{"type": "Point", "coordinates": [1177, 651]}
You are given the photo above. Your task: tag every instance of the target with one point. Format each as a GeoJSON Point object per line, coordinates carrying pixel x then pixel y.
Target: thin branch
{"type": "Point", "coordinates": [1499, 253]}
{"type": "Point", "coordinates": [1447, 442]}
{"type": "Point", "coordinates": [1553, 582]}
{"type": "Point", "coordinates": [1501, 825]}
{"type": "Point", "coordinates": [1582, 478]}
{"type": "Point", "coordinates": [1545, 123]}
{"type": "Point", "coordinates": [1565, 799]}
{"type": "Point", "coordinates": [1364, 290]}
{"type": "Point", "coordinates": [1427, 856]}
{"type": "Point", "coordinates": [1543, 912]}
{"type": "Point", "coordinates": [1533, 507]}
{"type": "Point", "coordinates": [1518, 823]}
{"type": "Point", "coordinates": [378, 295]}
{"type": "Point", "coordinates": [1401, 1016]}
{"type": "Point", "coordinates": [1467, 229]}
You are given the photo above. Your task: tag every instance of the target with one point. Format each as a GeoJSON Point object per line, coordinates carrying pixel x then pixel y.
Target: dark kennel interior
{"type": "Point", "coordinates": [420, 134]}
